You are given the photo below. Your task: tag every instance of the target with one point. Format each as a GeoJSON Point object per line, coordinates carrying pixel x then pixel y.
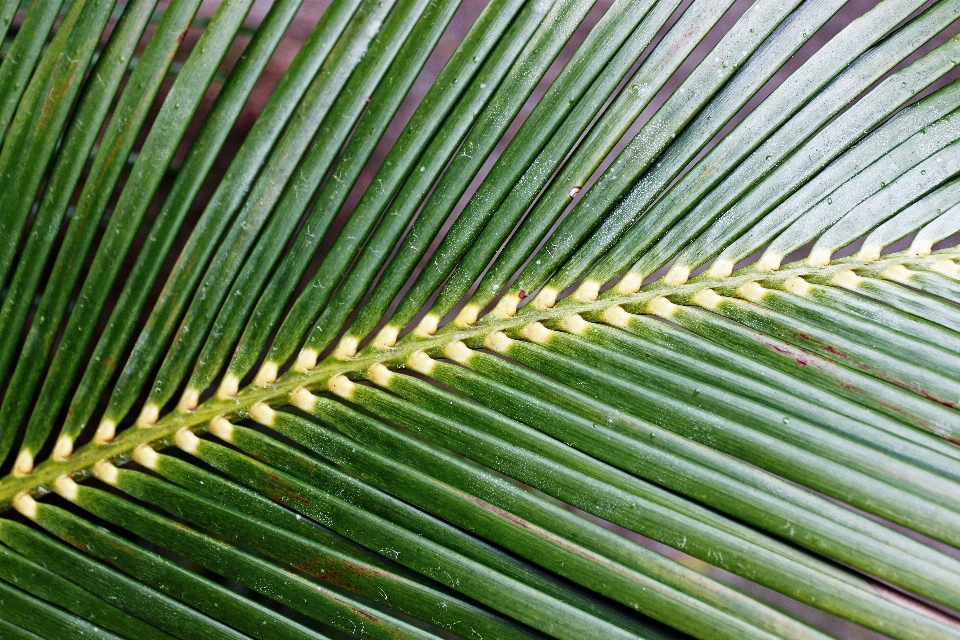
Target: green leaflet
{"type": "Point", "coordinates": [269, 369]}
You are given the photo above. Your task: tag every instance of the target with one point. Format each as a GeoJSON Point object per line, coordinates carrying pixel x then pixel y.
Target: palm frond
{"type": "Point", "coordinates": [619, 319]}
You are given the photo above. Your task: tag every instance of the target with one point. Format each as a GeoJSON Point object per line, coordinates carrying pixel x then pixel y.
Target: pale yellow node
{"type": "Point", "coordinates": [588, 291]}
{"type": "Point", "coordinates": [106, 431]}
{"type": "Point", "coordinates": [149, 415]}
{"type": "Point", "coordinates": [24, 464]}
{"type": "Point", "coordinates": [498, 341]}
{"type": "Point", "coordinates": [62, 449]}
{"type": "Point", "coordinates": [662, 307]}
{"type": "Point", "coordinates": [630, 283]}
{"type": "Point", "coordinates": [263, 413]}
{"type": "Point", "coordinates": [616, 316]}
{"type": "Point", "coordinates": [752, 291]}
{"type": "Point", "coordinates": [222, 428]}
{"type": "Point", "coordinates": [536, 332]}
{"type": "Point", "coordinates": [721, 268]}
{"type": "Point", "coordinates": [546, 299]}
{"type": "Point", "coordinates": [347, 348]}
{"type": "Point", "coordinates": [847, 279]}
{"type": "Point", "coordinates": [146, 456]}
{"type": "Point", "coordinates": [303, 399]}
{"type": "Point", "coordinates": [229, 387]}
{"type": "Point", "coordinates": [946, 267]}
{"type": "Point", "coordinates": [306, 360]}
{"type": "Point", "coordinates": [420, 361]}
{"type": "Point", "coordinates": [387, 338]}
{"type": "Point", "coordinates": [25, 504]}
{"type": "Point", "coordinates": [869, 253]}
{"type": "Point", "coordinates": [428, 325]}
{"type": "Point", "coordinates": [921, 248]}
{"type": "Point", "coordinates": [769, 262]}
{"type": "Point", "coordinates": [67, 488]}
{"type": "Point", "coordinates": [819, 257]}
{"type": "Point", "coordinates": [507, 307]}
{"type": "Point", "coordinates": [677, 275]}
{"type": "Point", "coordinates": [267, 374]}
{"type": "Point", "coordinates": [467, 317]}
{"type": "Point", "coordinates": [189, 400]}
{"type": "Point", "coordinates": [456, 351]}
{"type": "Point", "coordinates": [341, 386]}
{"type": "Point", "coordinates": [707, 298]}
{"type": "Point", "coordinates": [106, 471]}
{"type": "Point", "coordinates": [797, 286]}
{"type": "Point", "coordinates": [898, 273]}
{"type": "Point", "coordinates": [575, 324]}
{"type": "Point", "coordinates": [187, 440]}
{"type": "Point", "coordinates": [573, 192]}
{"type": "Point", "coordinates": [379, 374]}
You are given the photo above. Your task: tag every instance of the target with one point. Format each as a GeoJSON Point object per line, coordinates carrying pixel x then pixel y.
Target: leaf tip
{"type": "Point", "coordinates": [23, 465]}
{"type": "Point", "coordinates": [946, 267]}
{"type": "Point", "coordinates": [229, 387]}
{"type": "Point", "coordinates": [187, 440]}
{"type": "Point", "coordinates": [819, 257]}
{"type": "Point", "coordinates": [797, 286]}
{"type": "Point", "coordinates": [458, 352]}
{"type": "Point", "coordinates": [468, 316]}
{"type": "Point", "coordinates": [769, 262]}
{"type": "Point", "coordinates": [149, 415]}
{"type": "Point", "coordinates": [260, 411]}
{"type": "Point", "coordinates": [662, 307]}
{"type": "Point", "coordinates": [303, 400]}
{"type": "Point", "coordinates": [189, 400]}
{"type": "Point", "coordinates": [536, 332]}
{"type": "Point", "coordinates": [846, 279]}
{"type": "Point", "coordinates": [498, 341]}
{"type": "Point", "coordinates": [267, 374]}
{"type": "Point", "coordinates": [752, 291]}
{"type": "Point", "coordinates": [630, 283]}
{"type": "Point", "coordinates": [546, 299]}
{"type": "Point", "coordinates": [677, 275]}
{"type": "Point", "coordinates": [222, 428]}
{"type": "Point", "coordinates": [428, 325]}
{"type": "Point", "coordinates": [26, 505]}
{"type": "Point", "coordinates": [63, 449]}
{"type": "Point", "coordinates": [897, 273]}
{"type": "Point", "coordinates": [306, 361]}
{"type": "Point", "coordinates": [720, 269]}
{"type": "Point", "coordinates": [707, 298]}
{"type": "Point", "coordinates": [507, 307]}
{"type": "Point", "coordinates": [419, 361]}
{"type": "Point", "coordinates": [347, 348]}
{"type": "Point", "coordinates": [869, 253]}
{"type": "Point", "coordinates": [588, 291]}
{"type": "Point", "coordinates": [104, 470]}
{"type": "Point", "coordinates": [146, 456]}
{"type": "Point", "coordinates": [575, 324]}
{"type": "Point", "coordinates": [616, 316]}
{"type": "Point", "coordinates": [921, 247]}
{"type": "Point", "coordinates": [106, 431]}
{"type": "Point", "coordinates": [341, 385]}
{"type": "Point", "coordinates": [379, 374]}
{"type": "Point", "coordinates": [387, 338]}
{"type": "Point", "coordinates": [67, 488]}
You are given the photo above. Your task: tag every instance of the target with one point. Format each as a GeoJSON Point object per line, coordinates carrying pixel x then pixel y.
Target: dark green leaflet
{"type": "Point", "coordinates": [266, 335]}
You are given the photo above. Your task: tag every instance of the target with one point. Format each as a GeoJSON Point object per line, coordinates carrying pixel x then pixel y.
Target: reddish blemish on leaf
{"type": "Point", "coordinates": [521, 294]}
{"type": "Point", "coordinates": [367, 615]}
{"type": "Point", "coordinates": [928, 396]}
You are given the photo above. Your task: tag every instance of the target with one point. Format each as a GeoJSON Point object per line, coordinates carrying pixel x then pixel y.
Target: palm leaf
{"type": "Point", "coordinates": [645, 323]}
